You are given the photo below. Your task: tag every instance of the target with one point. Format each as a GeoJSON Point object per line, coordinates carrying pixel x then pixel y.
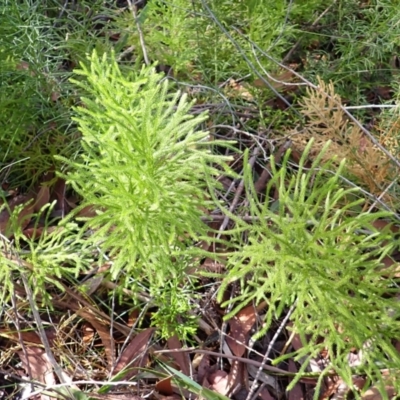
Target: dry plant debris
{"type": "Point", "coordinates": [326, 121]}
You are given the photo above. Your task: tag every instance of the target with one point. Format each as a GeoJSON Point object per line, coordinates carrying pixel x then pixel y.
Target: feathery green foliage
{"type": "Point", "coordinates": [216, 40]}
{"type": "Point", "coordinates": [144, 169]}
{"type": "Point", "coordinates": [187, 36]}
{"type": "Point", "coordinates": [54, 255]}
{"type": "Point", "coordinates": [310, 249]}
{"type": "Point", "coordinates": [37, 40]}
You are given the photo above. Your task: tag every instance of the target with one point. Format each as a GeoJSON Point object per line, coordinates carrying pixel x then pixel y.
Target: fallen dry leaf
{"type": "Point", "coordinates": [237, 376]}
{"type": "Point", "coordinates": [42, 198]}
{"type": "Point", "coordinates": [296, 393]}
{"type": "Point", "coordinates": [181, 358]}
{"type": "Point", "coordinates": [204, 368]}
{"type": "Point", "coordinates": [23, 216]}
{"type": "Point", "coordinates": [135, 354]}
{"type": "Point", "coordinates": [219, 382]}
{"type": "Point", "coordinates": [87, 212]}
{"type": "Point", "coordinates": [240, 325]}
{"type": "Point", "coordinates": [237, 89]}
{"type": "Point", "coordinates": [103, 331]}
{"type": "Point", "coordinates": [381, 225]}
{"type": "Point", "coordinates": [164, 387]}
{"type": "Point", "coordinates": [55, 96]}
{"type": "Point", "coordinates": [115, 396]}
{"type": "Point", "coordinates": [36, 232]}
{"type": "Point", "coordinates": [28, 337]}
{"type": "Point", "coordinates": [35, 362]}
{"type": "Point", "coordinates": [173, 397]}
{"type": "Point", "coordinates": [373, 393]}
{"type": "Point", "coordinates": [58, 194]}
{"type": "Point", "coordinates": [88, 332]}
{"type": "Point", "coordinates": [279, 81]}
{"type": "Point", "coordinates": [295, 339]}
{"type": "Point", "coordinates": [223, 383]}
{"type": "Point", "coordinates": [265, 395]}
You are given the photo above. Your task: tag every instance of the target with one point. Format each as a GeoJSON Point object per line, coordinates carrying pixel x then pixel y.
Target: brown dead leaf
{"type": "Point", "coordinates": [74, 300]}
{"type": "Point", "coordinates": [387, 262]}
{"type": "Point", "coordinates": [265, 395]}
{"type": "Point", "coordinates": [373, 393]}
{"type": "Point", "coordinates": [115, 396]}
{"type": "Point", "coordinates": [23, 216]}
{"type": "Point", "coordinates": [397, 346]}
{"type": "Point", "coordinates": [164, 387]}
{"type": "Point", "coordinates": [203, 369]}
{"type": "Point", "coordinates": [88, 332]}
{"type": "Point", "coordinates": [181, 358]}
{"type": "Point", "coordinates": [28, 337]}
{"type": "Point", "coordinates": [55, 96]}
{"type": "Point", "coordinates": [219, 382]}
{"type": "Point", "coordinates": [37, 232]}
{"type": "Point", "coordinates": [238, 89]}
{"type": "Point", "coordinates": [296, 340]}
{"type": "Point", "coordinates": [42, 198]}
{"type": "Point", "coordinates": [87, 212]}
{"type": "Point", "coordinates": [24, 66]}
{"type": "Point", "coordinates": [135, 354]}
{"type": "Point", "coordinates": [58, 194]}
{"type": "Point", "coordinates": [213, 266]}
{"type": "Point", "coordinates": [35, 361]}
{"type": "Point", "coordinates": [103, 331]}
{"type": "Point", "coordinates": [279, 81]}
{"type": "Point", "coordinates": [381, 224]}
{"type": "Point", "coordinates": [359, 382]}
{"type": "Point", "coordinates": [296, 393]}
{"type": "Point", "coordinates": [224, 383]}
{"type": "Point", "coordinates": [133, 316]}
{"type": "Point", "coordinates": [173, 397]}
{"type": "Point", "coordinates": [240, 325]}
{"type": "Point", "coordinates": [237, 376]}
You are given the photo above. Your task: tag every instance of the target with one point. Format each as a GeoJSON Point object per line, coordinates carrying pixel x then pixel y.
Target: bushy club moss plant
{"type": "Point", "coordinates": [316, 248]}
{"type": "Point", "coordinates": [145, 169]}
